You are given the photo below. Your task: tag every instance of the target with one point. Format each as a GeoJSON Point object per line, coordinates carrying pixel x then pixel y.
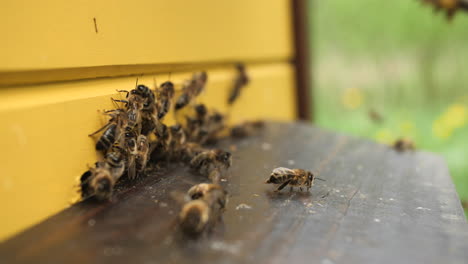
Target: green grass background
{"type": "Point", "coordinates": [408, 64]}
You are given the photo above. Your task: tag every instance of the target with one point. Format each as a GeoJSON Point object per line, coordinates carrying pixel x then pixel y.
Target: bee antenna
{"type": "Point", "coordinates": [136, 83]}
{"type": "Point", "coordinates": [320, 179]}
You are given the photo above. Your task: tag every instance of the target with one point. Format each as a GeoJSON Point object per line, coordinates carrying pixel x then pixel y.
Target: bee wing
{"type": "Point", "coordinates": [283, 171]}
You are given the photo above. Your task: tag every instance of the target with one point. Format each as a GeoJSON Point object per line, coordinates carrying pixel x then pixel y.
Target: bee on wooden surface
{"type": "Point", "coordinates": [403, 144]}
{"type": "Point", "coordinates": [159, 148]}
{"type": "Point", "coordinates": [246, 129]}
{"type": "Point", "coordinates": [100, 180]}
{"type": "Point", "coordinates": [176, 142]}
{"type": "Point", "coordinates": [211, 160]}
{"type": "Point", "coordinates": [241, 80]}
{"type": "Point", "coordinates": [292, 177]}
{"type": "Point", "coordinates": [449, 6]}
{"type": "Point", "coordinates": [164, 96]}
{"type": "Point", "coordinates": [141, 158]}
{"type": "Point", "coordinates": [190, 150]}
{"type": "Point", "coordinates": [131, 147]}
{"type": "Point", "coordinates": [204, 210]}
{"type": "Point", "coordinates": [213, 126]}
{"type": "Point", "coordinates": [112, 130]}
{"type": "Point", "coordinates": [191, 89]}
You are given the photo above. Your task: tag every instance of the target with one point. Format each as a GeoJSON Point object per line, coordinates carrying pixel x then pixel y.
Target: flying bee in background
{"type": "Point", "coordinates": [450, 7]}
{"type": "Point", "coordinates": [292, 177]}
{"type": "Point", "coordinates": [375, 116]}
{"type": "Point", "coordinates": [403, 144]}
{"type": "Point", "coordinates": [241, 80]}
{"type": "Point", "coordinates": [210, 161]}
{"type": "Point", "coordinates": [191, 89]}
{"type": "Point", "coordinates": [141, 158]}
{"type": "Point", "coordinates": [164, 96]}
{"type": "Point", "coordinates": [100, 180]}
{"type": "Point", "coordinates": [246, 129]}
{"type": "Point", "coordinates": [204, 210]}
{"type": "Point", "coordinates": [112, 130]}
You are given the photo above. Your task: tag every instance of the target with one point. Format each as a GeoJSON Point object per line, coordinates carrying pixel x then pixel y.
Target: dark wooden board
{"type": "Point", "coordinates": [376, 206]}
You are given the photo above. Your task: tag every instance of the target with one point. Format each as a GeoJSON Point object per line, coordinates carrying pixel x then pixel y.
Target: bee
{"type": "Point", "coordinates": [211, 160]}
{"type": "Point", "coordinates": [112, 130]}
{"type": "Point", "coordinates": [131, 147]}
{"type": "Point", "coordinates": [241, 80]}
{"type": "Point", "coordinates": [141, 158]}
{"type": "Point", "coordinates": [200, 191]}
{"type": "Point", "coordinates": [176, 142]}
{"type": "Point", "coordinates": [164, 96]}
{"type": "Point", "coordinates": [403, 144]}
{"type": "Point", "coordinates": [100, 180]}
{"type": "Point", "coordinates": [190, 150]}
{"type": "Point", "coordinates": [194, 124]}
{"type": "Point", "coordinates": [159, 149]}
{"type": "Point", "coordinates": [194, 218]}
{"type": "Point", "coordinates": [292, 177]}
{"type": "Point", "coordinates": [449, 6]}
{"type": "Point", "coordinates": [215, 123]}
{"type": "Point", "coordinates": [191, 89]}
{"type": "Point", "coordinates": [206, 204]}
{"type": "Point", "coordinates": [375, 116]}
{"type": "Point", "coordinates": [246, 129]}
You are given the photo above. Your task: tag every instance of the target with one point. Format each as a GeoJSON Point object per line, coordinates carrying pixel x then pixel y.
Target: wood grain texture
{"type": "Point", "coordinates": [376, 206]}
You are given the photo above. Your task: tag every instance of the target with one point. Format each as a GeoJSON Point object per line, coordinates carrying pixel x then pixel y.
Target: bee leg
{"type": "Point", "coordinates": [291, 189]}
{"type": "Point", "coordinates": [282, 186]}
{"type": "Point", "coordinates": [99, 130]}
{"type": "Point", "coordinates": [300, 188]}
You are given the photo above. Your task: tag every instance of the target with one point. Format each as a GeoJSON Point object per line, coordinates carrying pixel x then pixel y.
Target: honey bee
{"type": "Point", "coordinates": [112, 130]}
{"type": "Point", "coordinates": [241, 80]}
{"type": "Point", "coordinates": [131, 147]}
{"type": "Point", "coordinates": [449, 6]}
{"type": "Point", "coordinates": [100, 180]}
{"type": "Point", "coordinates": [141, 158]}
{"type": "Point", "coordinates": [164, 96]}
{"type": "Point", "coordinates": [213, 126]}
{"type": "Point", "coordinates": [190, 150]}
{"type": "Point", "coordinates": [211, 160]}
{"type": "Point", "coordinates": [191, 89]}
{"type": "Point", "coordinates": [292, 177]}
{"type": "Point", "coordinates": [204, 210]}
{"type": "Point", "coordinates": [159, 148]}
{"type": "Point", "coordinates": [403, 144]}
{"type": "Point", "coordinates": [246, 129]}
{"type": "Point", "coordinates": [176, 142]}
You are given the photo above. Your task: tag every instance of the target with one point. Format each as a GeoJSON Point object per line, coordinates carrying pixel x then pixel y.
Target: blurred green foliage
{"type": "Point", "coordinates": [396, 61]}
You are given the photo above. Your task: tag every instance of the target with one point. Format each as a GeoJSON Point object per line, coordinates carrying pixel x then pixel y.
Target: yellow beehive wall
{"type": "Point", "coordinates": [56, 72]}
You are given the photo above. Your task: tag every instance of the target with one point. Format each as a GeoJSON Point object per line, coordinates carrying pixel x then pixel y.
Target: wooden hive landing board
{"type": "Point", "coordinates": [376, 206]}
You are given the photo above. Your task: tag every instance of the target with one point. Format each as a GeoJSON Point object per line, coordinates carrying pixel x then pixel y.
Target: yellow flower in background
{"type": "Point", "coordinates": [406, 127]}
{"type": "Point", "coordinates": [352, 98]}
{"type": "Point", "coordinates": [454, 117]}
{"type": "Point", "coordinates": [384, 136]}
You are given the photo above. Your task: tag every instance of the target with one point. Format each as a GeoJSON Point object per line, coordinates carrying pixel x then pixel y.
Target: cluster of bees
{"type": "Point", "coordinates": [135, 137]}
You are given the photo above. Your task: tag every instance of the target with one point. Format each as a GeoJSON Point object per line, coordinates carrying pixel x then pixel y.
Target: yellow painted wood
{"type": "Point", "coordinates": [43, 133]}
{"type": "Point", "coordinates": [55, 34]}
